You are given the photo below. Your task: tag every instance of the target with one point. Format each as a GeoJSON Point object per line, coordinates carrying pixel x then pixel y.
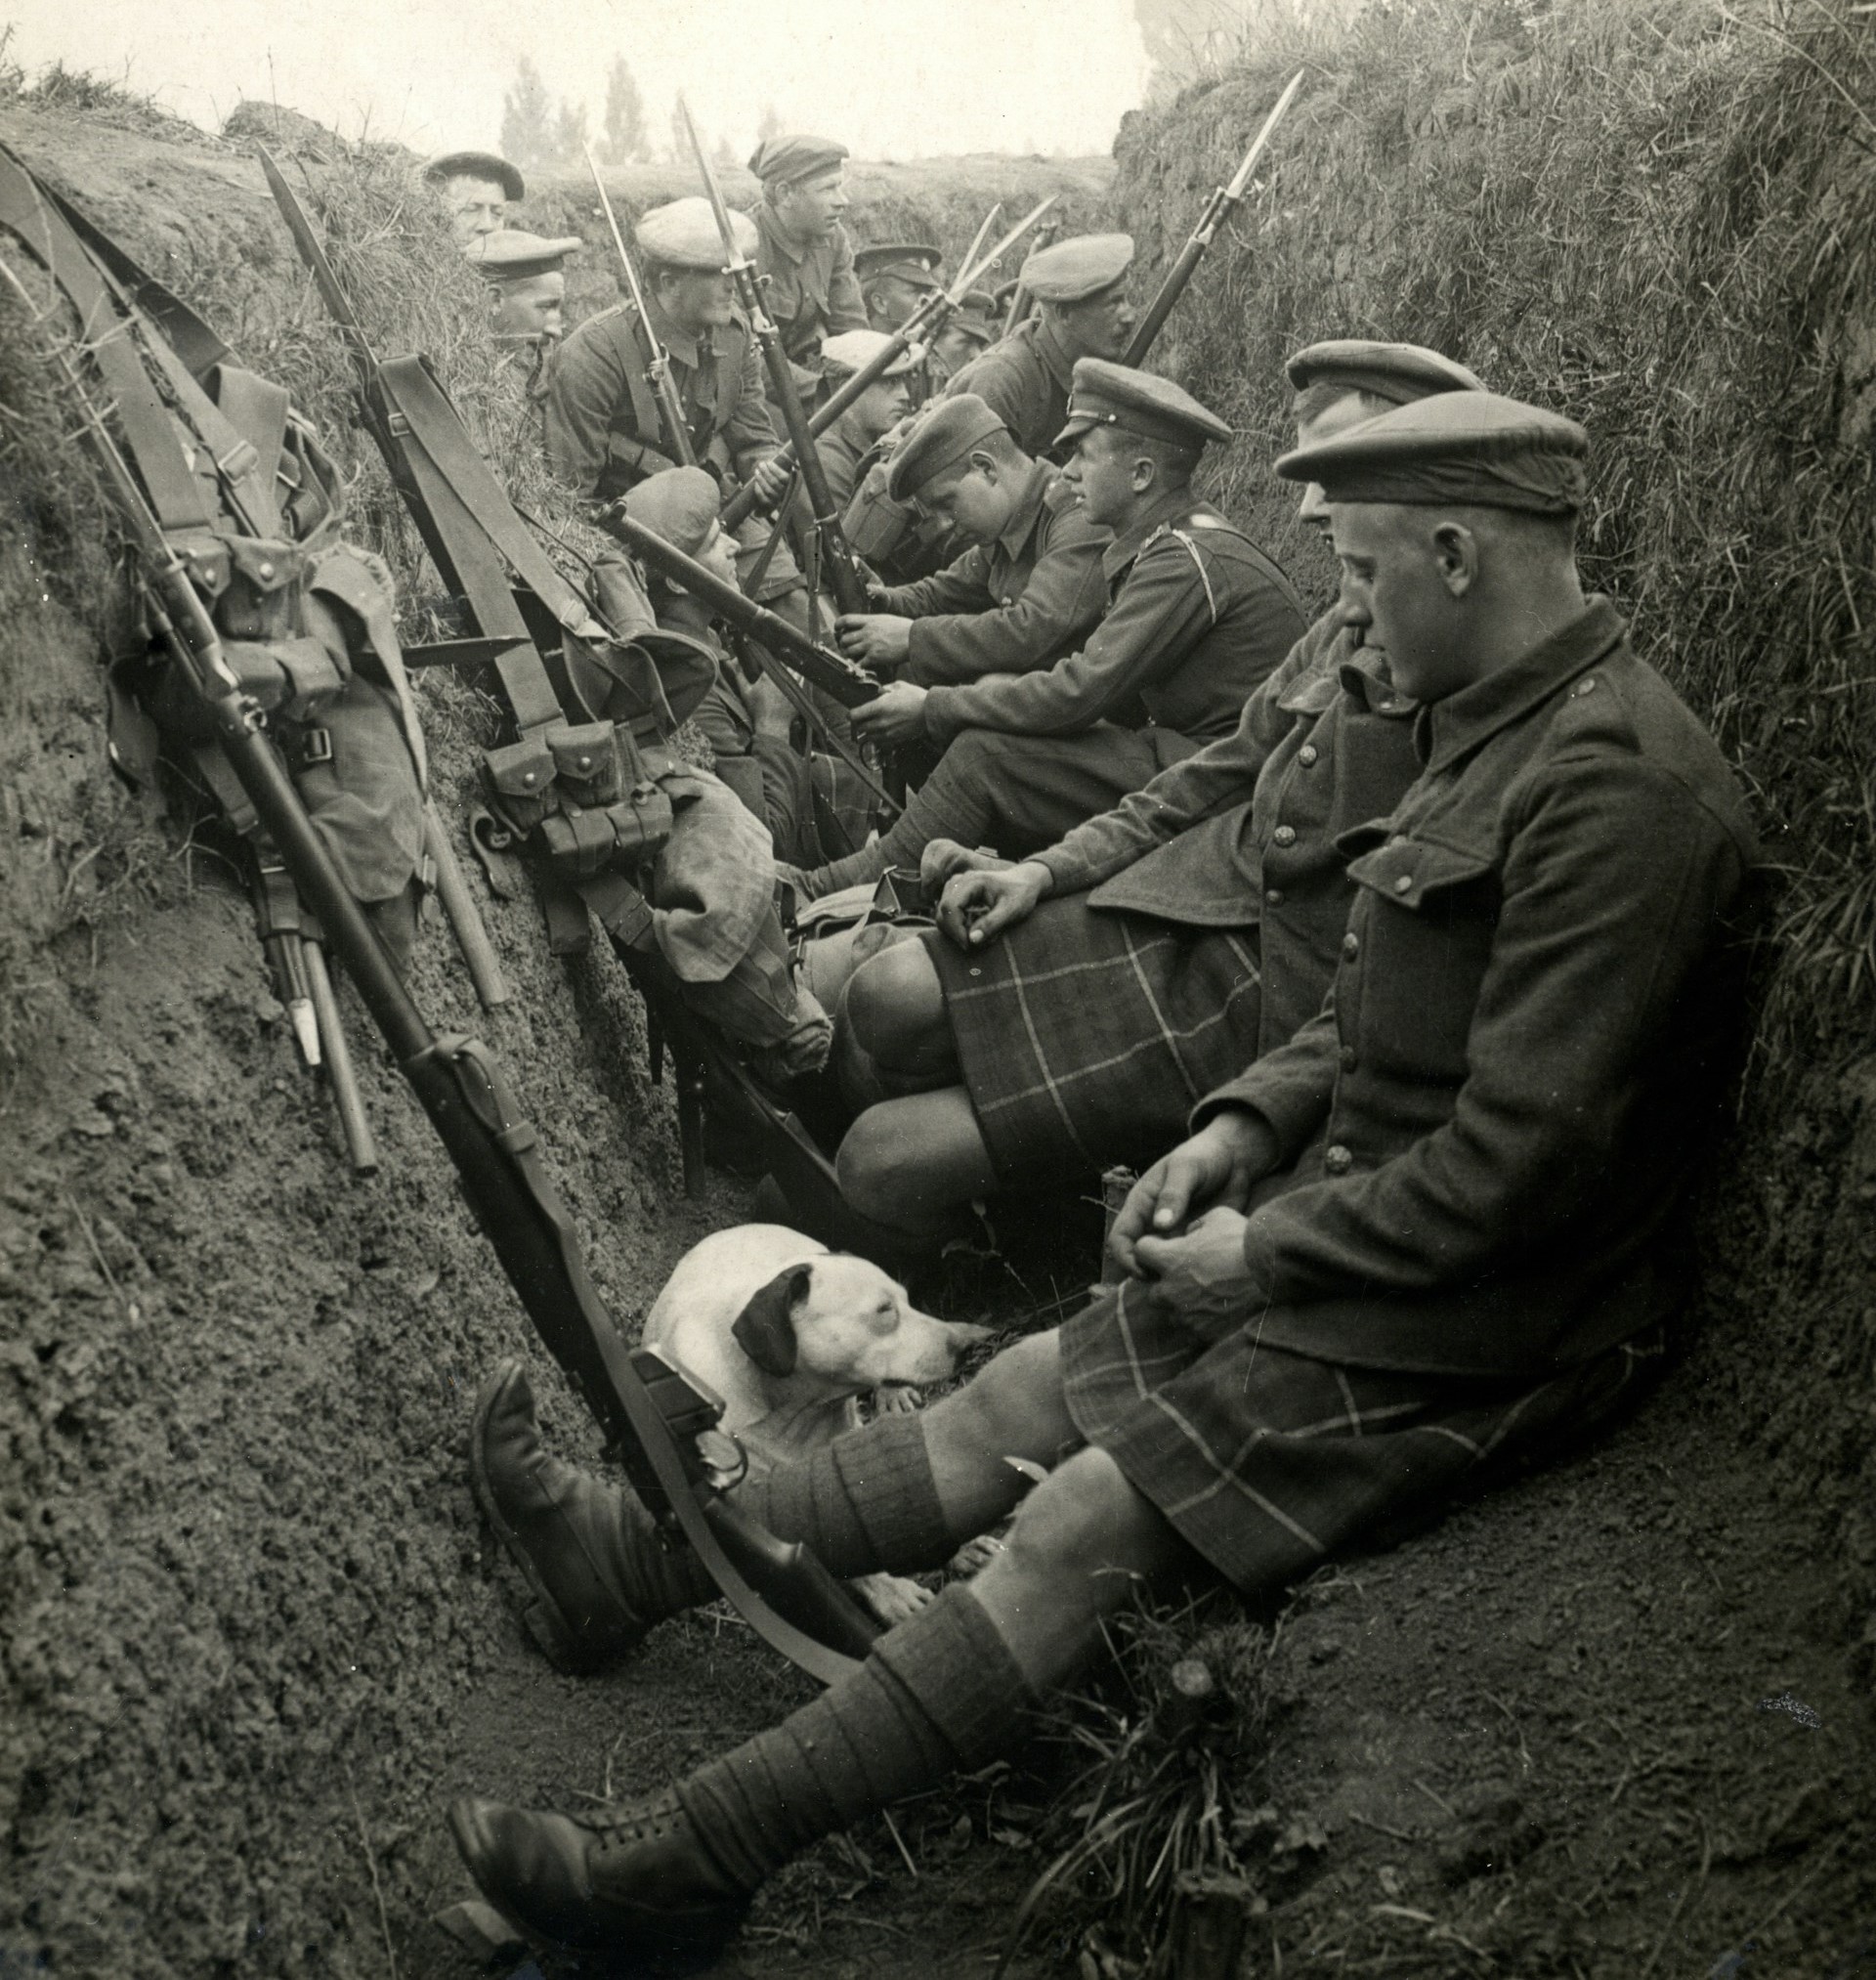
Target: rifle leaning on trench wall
{"type": "Point", "coordinates": [649, 1412]}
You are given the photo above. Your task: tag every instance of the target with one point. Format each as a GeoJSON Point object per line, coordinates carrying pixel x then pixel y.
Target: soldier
{"type": "Point", "coordinates": [1029, 588]}
{"type": "Point", "coordinates": [1155, 950]}
{"type": "Point", "coordinates": [1435, 1236]}
{"type": "Point", "coordinates": [475, 189]}
{"type": "Point", "coordinates": [968, 332]}
{"type": "Point", "coordinates": [805, 257]}
{"type": "Point", "coordinates": [1024, 378]}
{"type": "Point", "coordinates": [880, 407]}
{"type": "Point", "coordinates": [1196, 616]}
{"type": "Point", "coordinates": [526, 313]}
{"type": "Point", "coordinates": [895, 277]}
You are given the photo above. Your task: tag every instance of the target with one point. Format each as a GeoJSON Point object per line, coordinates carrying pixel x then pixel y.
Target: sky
{"type": "Point", "coordinates": [889, 78]}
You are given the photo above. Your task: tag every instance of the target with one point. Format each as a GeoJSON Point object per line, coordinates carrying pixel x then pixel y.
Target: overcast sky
{"type": "Point", "coordinates": [890, 78]}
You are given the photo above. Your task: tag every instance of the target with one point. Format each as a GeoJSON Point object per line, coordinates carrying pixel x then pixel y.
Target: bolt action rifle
{"type": "Point", "coordinates": [924, 324]}
{"type": "Point", "coordinates": [1216, 208]}
{"type": "Point", "coordinates": [649, 1410]}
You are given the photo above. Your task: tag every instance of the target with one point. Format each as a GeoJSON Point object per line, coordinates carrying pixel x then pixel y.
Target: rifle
{"type": "Point", "coordinates": [1192, 253]}
{"type": "Point", "coordinates": [925, 323]}
{"type": "Point", "coordinates": [657, 360]}
{"type": "Point", "coordinates": [1021, 302]}
{"type": "Point", "coordinates": [782, 1590]}
{"type": "Point", "coordinates": [844, 572]}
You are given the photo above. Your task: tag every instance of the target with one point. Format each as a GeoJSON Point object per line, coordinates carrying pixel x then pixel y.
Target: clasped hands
{"type": "Point", "coordinates": [1183, 1225]}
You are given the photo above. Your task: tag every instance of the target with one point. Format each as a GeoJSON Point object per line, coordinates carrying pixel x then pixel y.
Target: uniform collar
{"type": "Point", "coordinates": [770, 228]}
{"type": "Point", "coordinates": [1363, 673]}
{"type": "Point", "coordinates": [1460, 723]}
{"type": "Point", "coordinates": [1028, 505]}
{"type": "Point", "coordinates": [1121, 552]}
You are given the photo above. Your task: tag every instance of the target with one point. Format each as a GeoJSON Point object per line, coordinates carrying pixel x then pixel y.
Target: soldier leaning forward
{"type": "Point", "coordinates": [1196, 616]}
{"type": "Point", "coordinates": [1435, 1238]}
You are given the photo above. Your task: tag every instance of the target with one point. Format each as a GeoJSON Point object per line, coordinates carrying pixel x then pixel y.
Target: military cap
{"type": "Point", "coordinates": [852, 348]}
{"type": "Point", "coordinates": [1070, 270]}
{"type": "Point", "coordinates": [916, 262]}
{"type": "Point", "coordinates": [513, 254]}
{"type": "Point", "coordinates": [944, 436]}
{"type": "Point", "coordinates": [1472, 450]}
{"type": "Point", "coordinates": [1100, 394]}
{"type": "Point", "coordinates": [796, 157]}
{"type": "Point", "coordinates": [972, 316]}
{"type": "Point", "coordinates": [679, 504]}
{"type": "Point", "coordinates": [476, 165]}
{"type": "Point", "coordinates": [1397, 372]}
{"type": "Point", "coordinates": [683, 234]}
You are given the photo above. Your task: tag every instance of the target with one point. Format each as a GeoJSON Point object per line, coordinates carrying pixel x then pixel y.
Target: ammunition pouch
{"type": "Point", "coordinates": [585, 793]}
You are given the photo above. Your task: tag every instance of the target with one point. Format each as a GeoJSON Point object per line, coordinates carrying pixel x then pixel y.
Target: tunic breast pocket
{"type": "Point", "coordinates": [1424, 920]}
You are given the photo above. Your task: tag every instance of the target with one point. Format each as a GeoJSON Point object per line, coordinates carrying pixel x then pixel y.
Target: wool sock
{"type": "Point", "coordinates": [942, 807]}
{"type": "Point", "coordinates": [941, 1694]}
{"type": "Point", "coordinates": [867, 1503]}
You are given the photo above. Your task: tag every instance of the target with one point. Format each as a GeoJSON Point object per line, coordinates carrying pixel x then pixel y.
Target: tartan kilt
{"type": "Point", "coordinates": [1266, 1462]}
{"type": "Point", "coordinates": [1086, 1035]}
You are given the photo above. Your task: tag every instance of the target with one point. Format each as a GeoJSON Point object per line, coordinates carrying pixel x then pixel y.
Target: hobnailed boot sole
{"type": "Point", "coordinates": [572, 1650]}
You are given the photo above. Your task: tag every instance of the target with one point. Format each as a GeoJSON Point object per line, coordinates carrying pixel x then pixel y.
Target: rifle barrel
{"type": "Point", "coordinates": [471, 936]}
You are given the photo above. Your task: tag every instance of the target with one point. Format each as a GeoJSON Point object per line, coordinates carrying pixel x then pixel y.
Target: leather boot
{"type": "Point", "coordinates": [598, 1569]}
{"type": "Point", "coordinates": [635, 1879]}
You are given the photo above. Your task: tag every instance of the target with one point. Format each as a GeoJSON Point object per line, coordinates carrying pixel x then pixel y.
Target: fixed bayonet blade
{"type": "Point", "coordinates": [1242, 177]}
{"type": "Point", "coordinates": [1011, 238]}
{"type": "Point", "coordinates": [312, 250]}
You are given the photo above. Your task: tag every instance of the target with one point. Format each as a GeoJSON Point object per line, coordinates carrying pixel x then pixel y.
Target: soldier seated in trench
{"type": "Point", "coordinates": [1435, 1233]}
{"type": "Point", "coordinates": [1099, 988]}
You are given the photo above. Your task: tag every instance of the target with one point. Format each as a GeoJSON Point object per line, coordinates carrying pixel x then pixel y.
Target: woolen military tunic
{"type": "Point", "coordinates": [1006, 607]}
{"type": "Point", "coordinates": [1024, 380]}
{"type": "Point", "coordinates": [1488, 1132]}
{"type": "Point", "coordinates": [811, 292]}
{"type": "Point", "coordinates": [603, 430]}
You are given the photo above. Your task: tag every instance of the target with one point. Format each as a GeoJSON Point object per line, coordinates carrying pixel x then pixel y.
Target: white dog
{"type": "Point", "coordinates": [789, 1333]}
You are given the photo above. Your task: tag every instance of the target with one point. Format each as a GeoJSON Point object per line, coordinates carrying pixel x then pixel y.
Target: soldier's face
{"type": "Point", "coordinates": [1105, 471]}
{"type": "Point", "coordinates": [718, 554]}
{"type": "Point", "coordinates": [952, 350]}
{"type": "Point", "coordinates": [696, 298]}
{"type": "Point", "coordinates": [883, 403]}
{"type": "Point", "coordinates": [976, 502]}
{"type": "Point", "coordinates": [475, 207]}
{"type": "Point", "coordinates": [1103, 326]}
{"type": "Point", "coordinates": [810, 207]}
{"type": "Point", "coordinates": [890, 301]}
{"type": "Point", "coordinates": [1337, 417]}
{"type": "Point", "coordinates": [1403, 588]}
{"type": "Point", "coordinates": [534, 309]}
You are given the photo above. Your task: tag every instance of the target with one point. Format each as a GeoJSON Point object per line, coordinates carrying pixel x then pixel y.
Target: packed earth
{"type": "Point", "coordinates": [1612, 1721]}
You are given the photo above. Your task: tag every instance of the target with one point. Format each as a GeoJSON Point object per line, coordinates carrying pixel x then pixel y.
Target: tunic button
{"type": "Point", "coordinates": [1336, 1159]}
{"type": "Point", "coordinates": [1273, 894]}
{"type": "Point", "coordinates": [1403, 884]}
{"type": "Point", "coordinates": [1351, 943]}
{"type": "Point", "coordinates": [1284, 835]}
{"type": "Point", "coordinates": [1306, 755]}
{"type": "Point", "coordinates": [1347, 1058]}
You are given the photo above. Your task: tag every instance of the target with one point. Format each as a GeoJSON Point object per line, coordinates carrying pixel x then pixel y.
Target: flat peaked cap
{"type": "Point", "coordinates": [476, 165]}
{"type": "Point", "coordinates": [914, 261]}
{"type": "Point", "coordinates": [683, 234]}
{"type": "Point", "coordinates": [852, 348]}
{"type": "Point", "coordinates": [1070, 270]}
{"type": "Point", "coordinates": [679, 504]}
{"type": "Point", "coordinates": [945, 434]}
{"type": "Point", "coordinates": [1101, 394]}
{"type": "Point", "coordinates": [973, 317]}
{"type": "Point", "coordinates": [1397, 372]}
{"type": "Point", "coordinates": [513, 254]}
{"type": "Point", "coordinates": [1469, 450]}
{"type": "Point", "coordinates": [796, 157]}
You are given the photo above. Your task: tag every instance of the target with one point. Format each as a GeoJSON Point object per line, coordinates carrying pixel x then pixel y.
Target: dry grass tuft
{"type": "Point", "coordinates": [1656, 216]}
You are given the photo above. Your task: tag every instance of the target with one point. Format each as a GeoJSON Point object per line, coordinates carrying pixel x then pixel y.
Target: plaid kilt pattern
{"type": "Point", "coordinates": [1267, 1462]}
{"type": "Point", "coordinates": [1085, 1036]}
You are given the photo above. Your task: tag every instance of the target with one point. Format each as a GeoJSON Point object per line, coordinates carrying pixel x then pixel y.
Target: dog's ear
{"type": "Point", "coordinates": [765, 1328]}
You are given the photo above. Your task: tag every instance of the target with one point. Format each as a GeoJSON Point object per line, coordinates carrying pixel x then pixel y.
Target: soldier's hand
{"type": "Point", "coordinates": [770, 480]}
{"type": "Point", "coordinates": [897, 715]}
{"type": "Point", "coordinates": [1203, 1271]}
{"type": "Point", "coordinates": [876, 637]}
{"type": "Point", "coordinates": [943, 857]}
{"type": "Point", "coordinates": [976, 906]}
{"type": "Point", "coordinates": [1218, 1166]}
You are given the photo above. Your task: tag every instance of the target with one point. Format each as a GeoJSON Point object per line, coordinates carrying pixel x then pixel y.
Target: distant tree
{"type": "Point", "coordinates": [526, 119]}
{"type": "Point", "coordinates": [769, 125]}
{"type": "Point", "coordinates": [724, 154]}
{"type": "Point", "coordinates": [570, 135]}
{"type": "Point", "coordinates": [623, 138]}
{"type": "Point", "coordinates": [680, 136]}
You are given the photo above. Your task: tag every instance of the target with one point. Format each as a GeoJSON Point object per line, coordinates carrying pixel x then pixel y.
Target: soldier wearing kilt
{"type": "Point", "coordinates": [1431, 1236]}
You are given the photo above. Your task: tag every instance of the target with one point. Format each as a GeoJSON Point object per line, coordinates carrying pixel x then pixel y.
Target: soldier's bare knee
{"type": "Point", "coordinates": [893, 1001]}
{"type": "Point", "coordinates": [1086, 1524]}
{"type": "Point", "coordinates": [1005, 1403]}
